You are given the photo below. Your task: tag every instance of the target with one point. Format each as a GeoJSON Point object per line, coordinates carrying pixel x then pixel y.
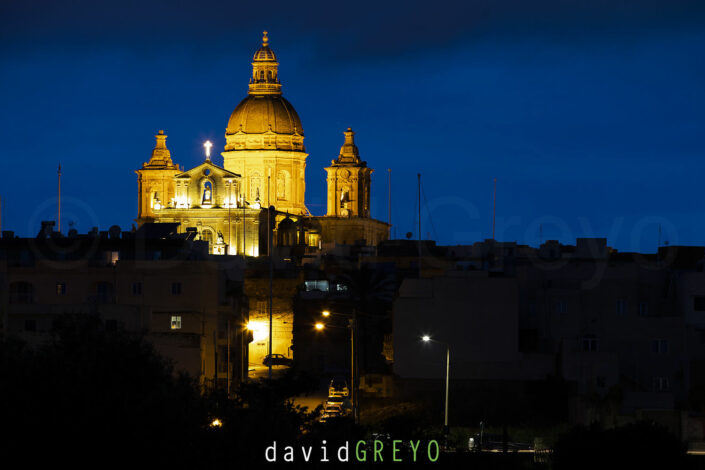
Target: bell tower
{"type": "Point", "coordinates": [349, 182]}
{"type": "Point", "coordinates": [155, 180]}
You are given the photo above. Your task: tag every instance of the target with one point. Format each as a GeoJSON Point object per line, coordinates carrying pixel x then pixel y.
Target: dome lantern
{"type": "Point", "coordinates": [265, 71]}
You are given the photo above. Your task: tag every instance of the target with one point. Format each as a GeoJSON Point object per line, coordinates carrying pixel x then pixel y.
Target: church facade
{"type": "Point", "coordinates": [261, 186]}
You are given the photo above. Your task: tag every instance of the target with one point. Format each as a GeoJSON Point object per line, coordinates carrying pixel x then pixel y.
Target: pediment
{"type": "Point", "coordinates": [207, 168]}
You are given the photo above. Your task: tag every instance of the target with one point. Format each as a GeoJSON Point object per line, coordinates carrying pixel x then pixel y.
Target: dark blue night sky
{"type": "Point", "coordinates": [590, 114]}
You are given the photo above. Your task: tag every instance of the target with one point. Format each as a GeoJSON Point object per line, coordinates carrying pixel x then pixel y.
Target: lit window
{"type": "Point", "coordinates": [176, 322]}
{"type": "Point", "coordinates": [175, 288]}
{"type": "Point", "coordinates": [60, 288]}
{"type": "Point", "coordinates": [316, 286]}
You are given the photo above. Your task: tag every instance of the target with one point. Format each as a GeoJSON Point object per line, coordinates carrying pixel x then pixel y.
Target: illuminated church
{"type": "Point", "coordinates": [264, 165]}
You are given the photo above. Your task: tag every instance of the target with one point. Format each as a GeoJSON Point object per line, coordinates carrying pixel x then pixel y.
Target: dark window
{"type": "Point", "coordinates": [136, 288]}
{"type": "Point", "coordinates": [222, 359]}
{"type": "Point", "coordinates": [621, 307]}
{"type": "Point", "coordinates": [30, 325]}
{"type": "Point", "coordinates": [590, 344]}
{"type": "Point", "coordinates": [561, 306]}
{"type": "Point", "coordinates": [111, 325]}
{"type": "Point", "coordinates": [699, 303]}
{"type": "Point", "coordinates": [175, 288]}
{"type": "Point", "coordinates": [21, 293]}
{"type": "Point", "coordinates": [60, 288]}
{"type": "Point", "coordinates": [532, 308]}
{"type": "Point", "coordinates": [104, 292]}
{"type": "Point", "coordinates": [660, 346]}
{"type": "Point", "coordinates": [661, 384]}
{"type": "Point", "coordinates": [644, 309]}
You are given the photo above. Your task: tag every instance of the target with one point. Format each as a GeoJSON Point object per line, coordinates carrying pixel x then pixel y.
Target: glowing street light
{"type": "Point", "coordinates": [427, 339]}
{"type": "Point", "coordinates": [258, 329]}
{"type": "Point", "coordinates": [216, 423]}
{"type": "Point", "coordinates": [325, 313]}
{"type": "Point", "coordinates": [319, 326]}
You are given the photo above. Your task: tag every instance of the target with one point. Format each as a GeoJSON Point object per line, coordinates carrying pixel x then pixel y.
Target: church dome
{"type": "Point", "coordinates": [258, 114]}
{"type": "Point", "coordinates": [264, 120]}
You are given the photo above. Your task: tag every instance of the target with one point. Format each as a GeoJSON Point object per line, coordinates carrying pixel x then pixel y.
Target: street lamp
{"type": "Point", "coordinates": [427, 339]}
{"type": "Point", "coordinates": [319, 326]}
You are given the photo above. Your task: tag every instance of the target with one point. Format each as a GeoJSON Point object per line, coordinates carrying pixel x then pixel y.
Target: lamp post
{"type": "Point", "coordinates": [244, 226]}
{"type": "Point", "coordinates": [427, 339]}
{"type": "Point", "coordinates": [352, 324]}
{"type": "Point", "coordinates": [229, 185]}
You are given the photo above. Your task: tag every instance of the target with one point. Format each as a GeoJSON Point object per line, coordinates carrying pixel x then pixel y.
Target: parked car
{"type": "Point", "coordinates": [338, 388]}
{"type": "Point", "coordinates": [277, 360]}
{"type": "Point", "coordinates": [337, 401]}
{"type": "Point", "coordinates": [342, 402]}
{"type": "Point", "coordinates": [331, 410]}
{"type": "Point", "coordinates": [493, 443]}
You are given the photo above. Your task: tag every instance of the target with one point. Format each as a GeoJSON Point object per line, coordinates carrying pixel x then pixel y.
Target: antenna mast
{"type": "Point", "coordinates": [58, 199]}
{"type": "Point", "coordinates": [419, 190]}
{"type": "Point", "coordinates": [494, 206]}
{"type": "Point", "coordinates": [389, 200]}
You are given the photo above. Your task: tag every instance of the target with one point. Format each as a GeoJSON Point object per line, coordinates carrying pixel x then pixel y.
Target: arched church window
{"type": "Point", "coordinates": [207, 197]}
{"type": "Point", "coordinates": [344, 196]}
